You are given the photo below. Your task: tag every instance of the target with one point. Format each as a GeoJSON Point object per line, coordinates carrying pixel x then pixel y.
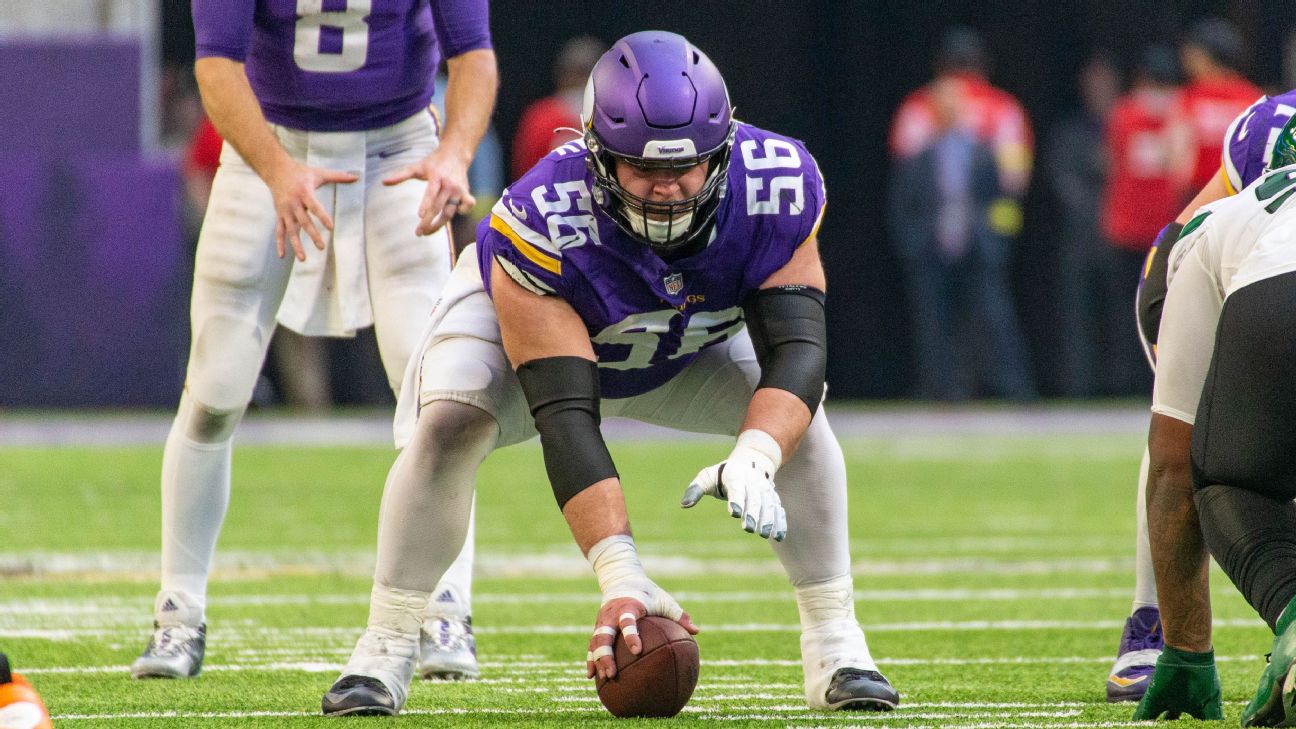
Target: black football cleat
{"type": "Point", "coordinates": [359, 696]}
{"type": "Point", "coordinates": [854, 689]}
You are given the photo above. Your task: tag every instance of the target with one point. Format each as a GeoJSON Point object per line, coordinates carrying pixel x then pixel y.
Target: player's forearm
{"type": "Point", "coordinates": [470, 100]}
{"type": "Point", "coordinates": [780, 414]}
{"type": "Point", "coordinates": [235, 112]}
{"type": "Point", "coordinates": [1179, 557]}
{"type": "Point", "coordinates": [597, 513]}
{"type": "Point", "coordinates": [1210, 192]}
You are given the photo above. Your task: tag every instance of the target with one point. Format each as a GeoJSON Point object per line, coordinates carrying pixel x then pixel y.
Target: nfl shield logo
{"type": "Point", "coordinates": [674, 283]}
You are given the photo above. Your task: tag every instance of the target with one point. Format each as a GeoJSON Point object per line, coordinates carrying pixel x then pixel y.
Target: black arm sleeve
{"type": "Point", "coordinates": [563, 393]}
{"type": "Point", "coordinates": [788, 331]}
{"type": "Point", "coordinates": [1152, 287]}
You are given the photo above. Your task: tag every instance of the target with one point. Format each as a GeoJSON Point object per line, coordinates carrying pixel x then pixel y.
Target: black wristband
{"type": "Point", "coordinates": [563, 394]}
{"type": "Point", "coordinates": [790, 336]}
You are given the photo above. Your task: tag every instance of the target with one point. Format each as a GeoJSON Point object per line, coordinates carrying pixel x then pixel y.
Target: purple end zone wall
{"type": "Point", "coordinates": [94, 267]}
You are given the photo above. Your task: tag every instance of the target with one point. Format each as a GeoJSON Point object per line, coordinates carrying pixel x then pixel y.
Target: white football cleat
{"type": "Point", "coordinates": [448, 650]}
{"type": "Point", "coordinates": [387, 657]}
{"type": "Point", "coordinates": [179, 640]}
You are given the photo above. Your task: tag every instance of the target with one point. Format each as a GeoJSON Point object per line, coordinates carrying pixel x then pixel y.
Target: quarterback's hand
{"type": "Point", "coordinates": [293, 188]}
{"type": "Point", "coordinates": [621, 615]}
{"type": "Point", "coordinates": [446, 174]}
{"type": "Point", "coordinates": [746, 481]}
{"type": "Point", "coordinates": [1182, 683]}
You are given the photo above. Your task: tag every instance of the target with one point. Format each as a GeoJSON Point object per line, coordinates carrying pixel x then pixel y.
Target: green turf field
{"type": "Point", "coordinates": [992, 577]}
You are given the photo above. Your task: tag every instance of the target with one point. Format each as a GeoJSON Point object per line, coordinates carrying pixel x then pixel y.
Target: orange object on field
{"type": "Point", "coordinates": [20, 705]}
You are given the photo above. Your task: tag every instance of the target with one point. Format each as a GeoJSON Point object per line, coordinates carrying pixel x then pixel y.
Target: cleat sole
{"type": "Point", "coordinates": [878, 705]}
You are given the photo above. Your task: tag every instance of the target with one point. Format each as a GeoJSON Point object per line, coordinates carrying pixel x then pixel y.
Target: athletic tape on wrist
{"type": "Point", "coordinates": [618, 569]}
{"type": "Point", "coordinates": [761, 445]}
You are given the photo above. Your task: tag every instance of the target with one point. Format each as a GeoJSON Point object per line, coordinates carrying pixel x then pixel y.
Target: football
{"type": "Point", "coordinates": [659, 681]}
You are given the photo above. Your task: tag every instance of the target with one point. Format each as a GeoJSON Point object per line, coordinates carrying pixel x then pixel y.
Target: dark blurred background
{"type": "Point", "coordinates": [830, 73]}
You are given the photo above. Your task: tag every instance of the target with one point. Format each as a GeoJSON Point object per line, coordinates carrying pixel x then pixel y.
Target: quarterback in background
{"type": "Point", "coordinates": [313, 95]}
{"type": "Point", "coordinates": [666, 268]}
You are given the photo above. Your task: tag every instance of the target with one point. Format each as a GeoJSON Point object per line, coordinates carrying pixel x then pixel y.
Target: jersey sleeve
{"type": "Point", "coordinates": [461, 25]}
{"type": "Point", "coordinates": [516, 235]}
{"type": "Point", "coordinates": [223, 28]}
{"type": "Point", "coordinates": [1237, 158]}
{"type": "Point", "coordinates": [785, 201]}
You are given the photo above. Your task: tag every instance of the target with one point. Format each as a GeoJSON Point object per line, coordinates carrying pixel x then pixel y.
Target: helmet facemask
{"type": "Point", "coordinates": [1284, 148]}
{"type": "Point", "coordinates": [664, 226]}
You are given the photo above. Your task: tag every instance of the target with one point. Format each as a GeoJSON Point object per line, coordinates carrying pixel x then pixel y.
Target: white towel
{"type": "Point", "coordinates": [328, 293]}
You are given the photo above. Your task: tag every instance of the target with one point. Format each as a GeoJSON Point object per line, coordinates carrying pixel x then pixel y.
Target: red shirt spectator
{"type": "Point", "coordinates": [1207, 107]}
{"type": "Point", "coordinates": [537, 132]}
{"type": "Point", "coordinates": [1141, 193]}
{"type": "Point", "coordinates": [203, 154]}
{"type": "Point", "coordinates": [994, 116]}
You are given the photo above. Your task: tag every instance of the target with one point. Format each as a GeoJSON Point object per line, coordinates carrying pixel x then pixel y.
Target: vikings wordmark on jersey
{"type": "Point", "coordinates": [648, 318]}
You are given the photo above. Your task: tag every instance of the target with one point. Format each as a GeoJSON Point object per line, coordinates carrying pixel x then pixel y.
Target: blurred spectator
{"type": "Point", "coordinates": [1141, 194]}
{"type": "Point", "coordinates": [540, 130]}
{"type": "Point", "coordinates": [966, 335]}
{"type": "Point", "coordinates": [485, 175]}
{"type": "Point", "coordinates": [1216, 92]}
{"type": "Point", "coordinates": [994, 116]}
{"type": "Point", "coordinates": [1074, 163]}
{"type": "Point", "coordinates": [201, 159]}
{"type": "Point", "coordinates": [300, 362]}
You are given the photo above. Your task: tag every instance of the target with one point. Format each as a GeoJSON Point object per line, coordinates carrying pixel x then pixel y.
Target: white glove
{"type": "Point", "coordinates": [746, 480]}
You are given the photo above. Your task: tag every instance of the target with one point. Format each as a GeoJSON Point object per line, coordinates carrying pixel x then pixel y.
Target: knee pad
{"type": "Point", "coordinates": [203, 424]}
{"type": "Point", "coordinates": [224, 362]}
{"type": "Point", "coordinates": [447, 427]}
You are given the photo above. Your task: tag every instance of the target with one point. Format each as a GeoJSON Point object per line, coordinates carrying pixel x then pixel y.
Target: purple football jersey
{"type": "Point", "coordinates": [647, 318]}
{"type": "Point", "coordinates": [1249, 141]}
{"type": "Point", "coordinates": [340, 65]}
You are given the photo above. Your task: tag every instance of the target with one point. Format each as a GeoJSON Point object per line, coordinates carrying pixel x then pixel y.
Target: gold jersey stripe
{"type": "Point", "coordinates": [536, 256]}
{"type": "Point", "coordinates": [1228, 184]}
{"type": "Point", "coordinates": [815, 230]}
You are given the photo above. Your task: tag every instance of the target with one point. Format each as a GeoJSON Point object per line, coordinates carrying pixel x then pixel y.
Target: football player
{"type": "Point", "coordinates": [665, 268]}
{"type": "Point", "coordinates": [1181, 622]}
{"type": "Point", "coordinates": [1221, 431]}
{"type": "Point", "coordinates": [325, 110]}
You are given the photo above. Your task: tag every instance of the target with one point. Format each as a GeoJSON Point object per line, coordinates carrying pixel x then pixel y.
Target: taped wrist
{"type": "Point", "coordinates": [618, 569]}
{"type": "Point", "coordinates": [758, 447]}
{"type": "Point", "coordinates": [563, 394]}
{"type": "Point", "coordinates": [790, 336]}
{"type": "Point", "coordinates": [1152, 288]}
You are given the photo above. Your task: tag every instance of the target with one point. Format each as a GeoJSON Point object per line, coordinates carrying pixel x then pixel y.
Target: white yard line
{"type": "Point", "coordinates": [566, 563]}
{"type": "Point", "coordinates": [574, 668]}
{"type": "Point", "coordinates": [261, 636]}
{"type": "Point", "coordinates": [83, 609]}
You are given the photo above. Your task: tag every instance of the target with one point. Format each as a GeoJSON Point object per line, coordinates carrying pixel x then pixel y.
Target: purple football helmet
{"type": "Point", "coordinates": [653, 101]}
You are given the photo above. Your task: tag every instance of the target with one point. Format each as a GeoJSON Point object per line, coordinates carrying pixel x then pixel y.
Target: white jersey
{"type": "Point", "coordinates": [1244, 238]}
{"type": "Point", "coordinates": [1229, 244]}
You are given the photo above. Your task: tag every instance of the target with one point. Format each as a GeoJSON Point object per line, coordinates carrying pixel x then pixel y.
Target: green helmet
{"type": "Point", "coordinates": [1284, 149]}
